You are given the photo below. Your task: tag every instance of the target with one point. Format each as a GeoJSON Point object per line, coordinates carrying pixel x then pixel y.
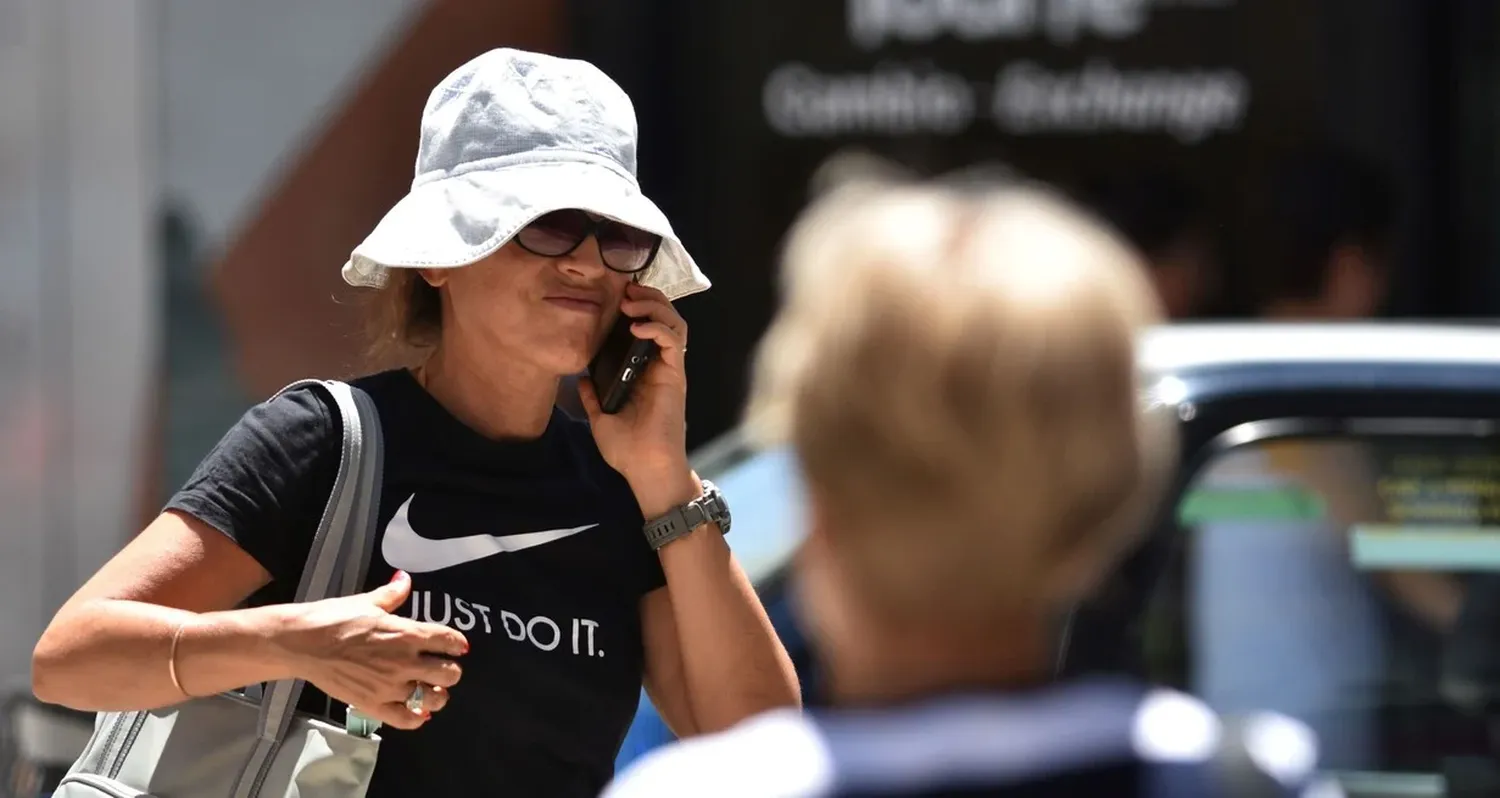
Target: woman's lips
{"type": "Point", "coordinates": [571, 303]}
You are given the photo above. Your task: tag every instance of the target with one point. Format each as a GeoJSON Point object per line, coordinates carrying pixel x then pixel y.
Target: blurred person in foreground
{"type": "Point", "coordinates": [1163, 216]}
{"type": "Point", "coordinates": [1323, 220]}
{"type": "Point", "coordinates": [955, 372]}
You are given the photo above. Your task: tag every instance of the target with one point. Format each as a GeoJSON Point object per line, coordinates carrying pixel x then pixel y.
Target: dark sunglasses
{"type": "Point", "coordinates": [622, 247]}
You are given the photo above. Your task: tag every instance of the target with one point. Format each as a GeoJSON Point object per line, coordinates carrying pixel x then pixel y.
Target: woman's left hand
{"type": "Point", "coordinates": [647, 440]}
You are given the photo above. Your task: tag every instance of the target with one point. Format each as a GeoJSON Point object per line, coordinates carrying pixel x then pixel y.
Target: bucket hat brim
{"type": "Point", "coordinates": [458, 219]}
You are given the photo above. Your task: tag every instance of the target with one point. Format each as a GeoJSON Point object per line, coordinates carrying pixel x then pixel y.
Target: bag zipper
{"type": "Point", "coordinates": [109, 755]}
{"type": "Point", "coordinates": [137, 722]}
{"type": "Point", "coordinates": [265, 770]}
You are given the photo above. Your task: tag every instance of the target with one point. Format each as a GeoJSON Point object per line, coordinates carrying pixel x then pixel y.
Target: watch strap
{"type": "Point", "coordinates": [708, 508]}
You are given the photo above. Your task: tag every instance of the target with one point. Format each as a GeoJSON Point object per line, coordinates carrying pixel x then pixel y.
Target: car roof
{"type": "Point", "coordinates": [1184, 347]}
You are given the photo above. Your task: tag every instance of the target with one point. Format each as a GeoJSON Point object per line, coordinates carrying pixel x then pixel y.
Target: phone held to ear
{"type": "Point", "coordinates": [619, 364]}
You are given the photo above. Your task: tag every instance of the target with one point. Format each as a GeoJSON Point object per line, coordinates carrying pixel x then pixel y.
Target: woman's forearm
{"type": "Point", "coordinates": [733, 662]}
{"type": "Point", "coordinates": [110, 655]}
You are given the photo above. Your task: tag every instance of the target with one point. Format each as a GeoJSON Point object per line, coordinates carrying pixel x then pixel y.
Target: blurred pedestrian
{"type": "Point", "coordinates": [955, 372]}
{"type": "Point", "coordinates": [1166, 218]}
{"type": "Point", "coordinates": [1322, 222]}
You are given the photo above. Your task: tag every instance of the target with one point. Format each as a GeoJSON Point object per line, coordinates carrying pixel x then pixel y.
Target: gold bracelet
{"type": "Point", "coordinates": [172, 660]}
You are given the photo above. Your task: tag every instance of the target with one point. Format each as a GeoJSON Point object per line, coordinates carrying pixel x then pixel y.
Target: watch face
{"type": "Point", "coordinates": [720, 512]}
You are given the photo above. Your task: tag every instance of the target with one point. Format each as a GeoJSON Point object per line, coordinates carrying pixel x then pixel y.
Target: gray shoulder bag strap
{"type": "Point", "coordinates": [335, 566]}
{"type": "Point", "coordinates": [225, 746]}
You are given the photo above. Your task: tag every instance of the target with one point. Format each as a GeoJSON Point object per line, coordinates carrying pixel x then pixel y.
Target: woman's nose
{"type": "Point", "coordinates": [585, 260]}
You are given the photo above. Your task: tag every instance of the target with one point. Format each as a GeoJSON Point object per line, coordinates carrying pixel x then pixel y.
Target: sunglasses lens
{"type": "Point", "coordinates": [626, 249]}
{"type": "Point", "coordinates": [554, 234]}
{"type": "Point", "coordinates": [623, 248]}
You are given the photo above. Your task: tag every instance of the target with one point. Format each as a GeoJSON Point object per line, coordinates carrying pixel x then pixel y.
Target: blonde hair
{"type": "Point", "coordinates": [955, 371]}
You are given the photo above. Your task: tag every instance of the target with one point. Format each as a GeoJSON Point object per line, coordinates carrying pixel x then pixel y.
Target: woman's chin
{"type": "Point", "coordinates": [566, 360]}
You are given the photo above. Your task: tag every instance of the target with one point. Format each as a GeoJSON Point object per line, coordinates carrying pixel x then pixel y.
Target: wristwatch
{"type": "Point", "coordinates": [710, 508]}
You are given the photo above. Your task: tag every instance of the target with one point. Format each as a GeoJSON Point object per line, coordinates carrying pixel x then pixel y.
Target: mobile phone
{"type": "Point", "coordinates": [619, 363]}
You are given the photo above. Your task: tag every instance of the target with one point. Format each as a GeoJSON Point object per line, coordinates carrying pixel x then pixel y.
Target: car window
{"type": "Point", "coordinates": [1353, 583]}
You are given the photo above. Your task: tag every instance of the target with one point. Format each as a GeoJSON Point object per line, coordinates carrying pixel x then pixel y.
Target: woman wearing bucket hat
{"type": "Point", "coordinates": [511, 550]}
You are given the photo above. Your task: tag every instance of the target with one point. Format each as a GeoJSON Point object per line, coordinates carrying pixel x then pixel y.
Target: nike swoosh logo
{"type": "Point", "coordinates": [404, 549]}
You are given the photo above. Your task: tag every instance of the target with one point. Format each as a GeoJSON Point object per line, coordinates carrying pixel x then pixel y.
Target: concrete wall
{"type": "Point", "coordinates": [244, 83]}
{"type": "Point", "coordinates": [108, 110]}
{"type": "Point", "coordinates": [79, 178]}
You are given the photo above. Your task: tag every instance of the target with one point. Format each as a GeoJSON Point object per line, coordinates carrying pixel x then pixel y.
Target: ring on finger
{"type": "Point", "coordinates": [415, 699]}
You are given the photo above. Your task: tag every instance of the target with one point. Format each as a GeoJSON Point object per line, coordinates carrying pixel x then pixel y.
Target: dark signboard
{"type": "Point", "coordinates": [1064, 90]}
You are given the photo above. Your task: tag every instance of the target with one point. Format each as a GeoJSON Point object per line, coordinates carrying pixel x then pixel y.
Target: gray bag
{"type": "Point", "coordinates": [230, 745]}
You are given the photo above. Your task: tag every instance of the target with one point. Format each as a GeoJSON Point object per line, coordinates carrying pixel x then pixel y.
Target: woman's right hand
{"type": "Point", "coordinates": [357, 652]}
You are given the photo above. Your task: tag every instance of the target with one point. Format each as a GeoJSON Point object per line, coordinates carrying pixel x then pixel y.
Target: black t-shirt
{"type": "Point", "coordinates": [554, 671]}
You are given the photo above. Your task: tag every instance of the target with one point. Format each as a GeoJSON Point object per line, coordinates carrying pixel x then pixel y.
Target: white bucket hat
{"type": "Point", "coordinates": [506, 138]}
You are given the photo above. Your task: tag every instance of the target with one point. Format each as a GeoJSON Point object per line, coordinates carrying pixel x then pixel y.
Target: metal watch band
{"type": "Point", "coordinates": [709, 508]}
